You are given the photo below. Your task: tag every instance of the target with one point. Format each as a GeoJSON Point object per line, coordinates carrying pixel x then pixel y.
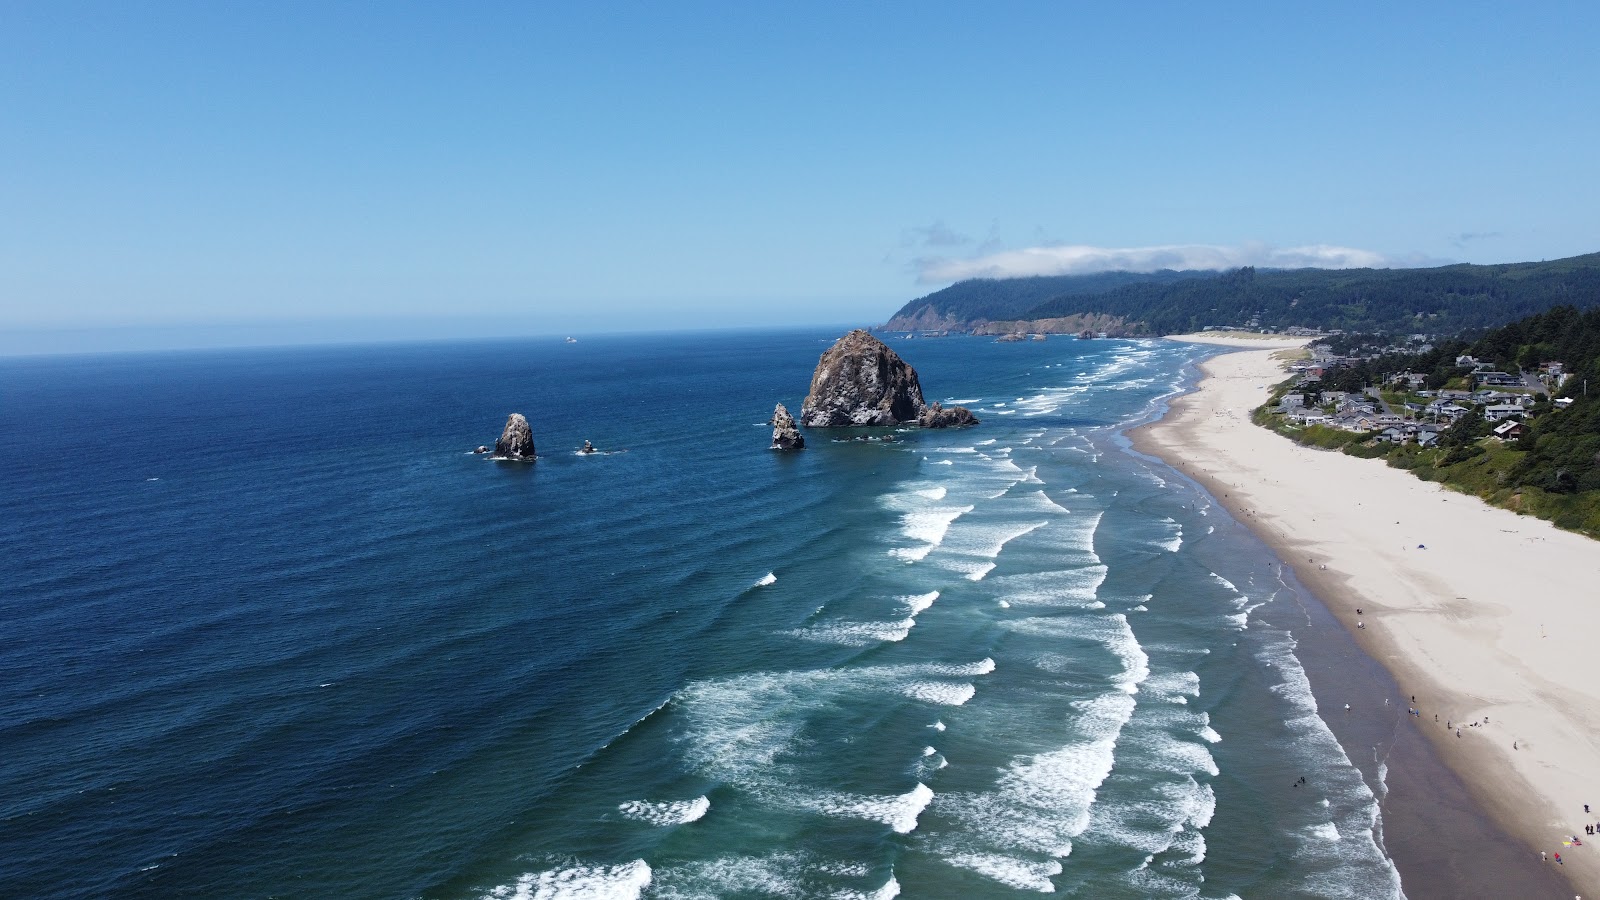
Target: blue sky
{"type": "Point", "coordinates": [506, 168]}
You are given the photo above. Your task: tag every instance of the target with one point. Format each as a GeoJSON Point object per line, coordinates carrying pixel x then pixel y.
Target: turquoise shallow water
{"type": "Point", "coordinates": [273, 631]}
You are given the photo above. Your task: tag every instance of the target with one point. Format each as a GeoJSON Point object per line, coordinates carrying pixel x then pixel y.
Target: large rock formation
{"type": "Point", "coordinates": [785, 436]}
{"type": "Point", "coordinates": [516, 442]}
{"type": "Point", "coordinates": [860, 381]}
{"type": "Point", "coordinates": [936, 416]}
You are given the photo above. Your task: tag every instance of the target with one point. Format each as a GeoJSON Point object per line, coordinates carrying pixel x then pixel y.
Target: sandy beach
{"type": "Point", "coordinates": [1485, 616]}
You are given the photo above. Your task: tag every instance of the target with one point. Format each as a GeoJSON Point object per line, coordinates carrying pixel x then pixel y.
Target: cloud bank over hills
{"type": "Point", "coordinates": [1079, 259]}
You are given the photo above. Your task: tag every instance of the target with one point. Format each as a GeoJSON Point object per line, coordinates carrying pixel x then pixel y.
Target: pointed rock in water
{"type": "Point", "coordinates": [516, 442]}
{"type": "Point", "coordinates": [860, 381]}
{"type": "Point", "coordinates": [785, 436]}
{"type": "Point", "coordinates": [936, 416]}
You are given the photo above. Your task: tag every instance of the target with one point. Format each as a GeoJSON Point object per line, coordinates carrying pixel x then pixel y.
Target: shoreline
{"type": "Point", "coordinates": [1478, 612]}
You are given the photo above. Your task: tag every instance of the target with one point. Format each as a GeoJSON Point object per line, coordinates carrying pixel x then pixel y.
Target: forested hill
{"type": "Point", "coordinates": [1443, 300]}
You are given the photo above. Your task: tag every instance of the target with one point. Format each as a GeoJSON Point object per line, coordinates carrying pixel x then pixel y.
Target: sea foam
{"type": "Point", "coordinates": [580, 882]}
{"type": "Point", "coordinates": [898, 812]}
{"type": "Point", "coordinates": [666, 812]}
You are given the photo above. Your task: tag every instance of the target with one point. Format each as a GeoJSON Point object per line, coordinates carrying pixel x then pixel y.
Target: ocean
{"type": "Point", "coordinates": [273, 630]}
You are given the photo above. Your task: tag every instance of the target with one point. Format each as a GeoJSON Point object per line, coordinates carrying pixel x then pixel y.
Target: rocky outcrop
{"type": "Point", "coordinates": [936, 416]}
{"type": "Point", "coordinates": [785, 436]}
{"type": "Point", "coordinates": [860, 381]}
{"type": "Point", "coordinates": [516, 442]}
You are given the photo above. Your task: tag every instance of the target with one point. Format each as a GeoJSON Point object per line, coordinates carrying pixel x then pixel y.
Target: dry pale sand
{"type": "Point", "coordinates": [1484, 615]}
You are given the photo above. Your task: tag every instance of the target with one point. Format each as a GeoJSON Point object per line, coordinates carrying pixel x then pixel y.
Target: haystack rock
{"type": "Point", "coordinates": [785, 436]}
{"type": "Point", "coordinates": [936, 416]}
{"type": "Point", "coordinates": [860, 381]}
{"type": "Point", "coordinates": [516, 442]}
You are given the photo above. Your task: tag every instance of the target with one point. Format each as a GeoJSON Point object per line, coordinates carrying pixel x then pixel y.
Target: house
{"type": "Point", "coordinates": [1466, 361]}
{"type": "Point", "coordinates": [1333, 396]}
{"type": "Point", "coordinates": [1496, 378]}
{"type": "Point", "coordinates": [1502, 411]}
{"type": "Point", "coordinates": [1426, 439]}
{"type": "Point", "coordinates": [1392, 436]}
{"type": "Point", "coordinates": [1410, 379]}
{"type": "Point", "coordinates": [1292, 401]}
{"type": "Point", "coordinates": [1509, 430]}
{"type": "Point", "coordinates": [1563, 402]}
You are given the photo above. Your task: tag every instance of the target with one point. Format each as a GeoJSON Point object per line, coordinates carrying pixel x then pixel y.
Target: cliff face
{"type": "Point", "coordinates": [860, 381]}
{"type": "Point", "coordinates": [516, 442]}
{"type": "Point", "coordinates": [785, 436]}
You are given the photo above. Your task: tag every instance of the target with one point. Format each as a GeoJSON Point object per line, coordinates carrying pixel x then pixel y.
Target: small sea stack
{"type": "Point", "coordinates": [860, 381]}
{"type": "Point", "coordinates": [785, 436]}
{"type": "Point", "coordinates": [516, 442]}
{"type": "Point", "coordinates": [936, 416]}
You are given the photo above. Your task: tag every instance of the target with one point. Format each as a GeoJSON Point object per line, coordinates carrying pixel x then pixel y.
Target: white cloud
{"type": "Point", "coordinates": [1076, 259]}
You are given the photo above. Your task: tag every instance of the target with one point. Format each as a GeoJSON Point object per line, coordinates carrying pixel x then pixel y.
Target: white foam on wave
{"type": "Point", "coordinates": [929, 526]}
{"type": "Point", "coordinates": [889, 891]}
{"type": "Point", "coordinates": [1022, 874]}
{"type": "Point", "coordinates": [969, 670]}
{"type": "Point", "coordinates": [916, 603]}
{"type": "Point", "coordinates": [1170, 817]}
{"type": "Point", "coordinates": [580, 882]}
{"type": "Point", "coordinates": [1344, 857]}
{"type": "Point", "coordinates": [1173, 684]}
{"type": "Point", "coordinates": [1112, 631]}
{"type": "Point", "coordinates": [944, 462]}
{"type": "Point", "coordinates": [766, 579]}
{"type": "Point", "coordinates": [857, 634]}
{"type": "Point", "coordinates": [1041, 802]}
{"type": "Point", "coordinates": [775, 875]}
{"type": "Point", "coordinates": [1182, 755]}
{"type": "Point", "coordinates": [1224, 582]}
{"type": "Point", "coordinates": [977, 572]}
{"type": "Point", "coordinates": [898, 812]}
{"type": "Point", "coordinates": [934, 493]}
{"type": "Point", "coordinates": [1174, 538]}
{"type": "Point", "coordinates": [1061, 589]}
{"type": "Point", "coordinates": [937, 725]}
{"type": "Point", "coordinates": [987, 541]}
{"type": "Point", "coordinates": [985, 443]}
{"type": "Point", "coordinates": [1040, 501]}
{"type": "Point", "coordinates": [1327, 831]}
{"type": "Point", "coordinates": [666, 812]}
{"type": "Point", "coordinates": [939, 692]}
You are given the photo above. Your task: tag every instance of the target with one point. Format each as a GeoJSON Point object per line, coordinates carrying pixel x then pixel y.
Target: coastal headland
{"type": "Point", "coordinates": [1489, 619]}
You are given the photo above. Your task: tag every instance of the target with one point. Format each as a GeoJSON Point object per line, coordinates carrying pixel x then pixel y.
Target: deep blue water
{"type": "Point", "coordinates": [272, 630]}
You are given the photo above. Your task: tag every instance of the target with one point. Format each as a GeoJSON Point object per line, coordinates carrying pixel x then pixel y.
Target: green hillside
{"type": "Point", "coordinates": [1443, 300]}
